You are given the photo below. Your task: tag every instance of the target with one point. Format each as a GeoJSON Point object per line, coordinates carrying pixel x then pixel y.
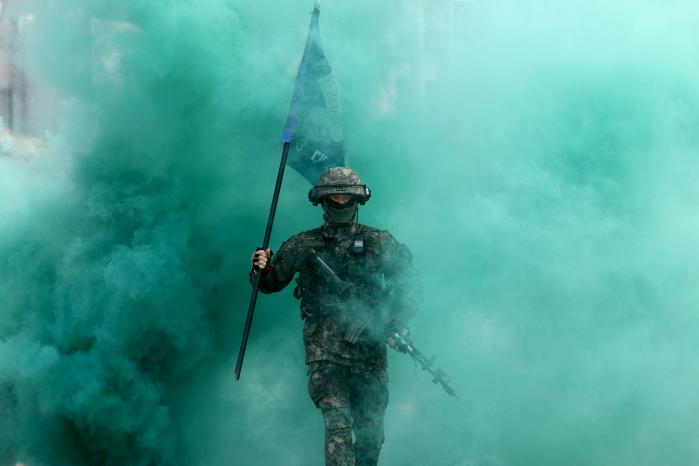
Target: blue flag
{"type": "Point", "coordinates": [314, 126]}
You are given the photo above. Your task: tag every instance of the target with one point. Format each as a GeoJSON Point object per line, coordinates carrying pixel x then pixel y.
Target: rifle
{"type": "Point", "coordinates": [360, 323]}
{"type": "Point", "coordinates": [401, 343]}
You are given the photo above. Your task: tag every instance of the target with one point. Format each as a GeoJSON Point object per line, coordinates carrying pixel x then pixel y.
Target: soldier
{"type": "Point", "coordinates": [347, 376]}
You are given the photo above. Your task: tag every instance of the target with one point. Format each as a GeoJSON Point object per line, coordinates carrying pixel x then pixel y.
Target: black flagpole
{"type": "Point", "coordinates": [288, 132]}
{"type": "Point", "coordinates": [258, 275]}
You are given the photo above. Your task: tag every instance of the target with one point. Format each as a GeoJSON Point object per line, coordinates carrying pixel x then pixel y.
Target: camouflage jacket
{"type": "Point", "coordinates": [383, 288]}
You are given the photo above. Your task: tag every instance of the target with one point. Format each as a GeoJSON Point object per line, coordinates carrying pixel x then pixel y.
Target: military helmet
{"type": "Point", "coordinates": [339, 180]}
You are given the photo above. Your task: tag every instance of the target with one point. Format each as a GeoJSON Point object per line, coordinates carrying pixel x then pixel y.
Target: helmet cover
{"type": "Point", "coordinates": [338, 181]}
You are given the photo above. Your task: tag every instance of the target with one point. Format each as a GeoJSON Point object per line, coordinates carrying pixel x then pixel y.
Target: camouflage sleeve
{"type": "Point", "coordinates": [284, 264]}
{"type": "Point", "coordinates": [403, 289]}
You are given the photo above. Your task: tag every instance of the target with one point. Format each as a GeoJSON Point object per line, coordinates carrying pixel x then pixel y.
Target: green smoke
{"type": "Point", "coordinates": [538, 158]}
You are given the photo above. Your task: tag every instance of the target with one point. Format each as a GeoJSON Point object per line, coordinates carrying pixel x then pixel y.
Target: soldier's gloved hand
{"type": "Point", "coordinates": [401, 330]}
{"type": "Point", "coordinates": [260, 259]}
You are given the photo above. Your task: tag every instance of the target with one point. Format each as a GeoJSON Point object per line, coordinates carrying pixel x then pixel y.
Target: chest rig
{"type": "Point", "coordinates": [353, 256]}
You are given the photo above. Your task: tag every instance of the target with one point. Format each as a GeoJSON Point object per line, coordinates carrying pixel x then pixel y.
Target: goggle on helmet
{"type": "Point", "coordinates": [339, 181]}
{"type": "Point", "coordinates": [360, 191]}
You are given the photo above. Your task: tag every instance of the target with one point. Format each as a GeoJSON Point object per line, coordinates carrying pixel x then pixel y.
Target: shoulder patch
{"type": "Point", "coordinates": [396, 253]}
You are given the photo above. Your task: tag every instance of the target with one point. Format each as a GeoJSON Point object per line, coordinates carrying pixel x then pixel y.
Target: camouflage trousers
{"type": "Point", "coordinates": [350, 401]}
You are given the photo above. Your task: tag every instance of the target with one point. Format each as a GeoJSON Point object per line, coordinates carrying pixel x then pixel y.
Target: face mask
{"type": "Point", "coordinates": [339, 213]}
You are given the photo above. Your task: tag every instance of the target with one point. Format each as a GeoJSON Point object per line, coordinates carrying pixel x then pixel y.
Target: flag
{"type": "Point", "coordinates": [314, 127]}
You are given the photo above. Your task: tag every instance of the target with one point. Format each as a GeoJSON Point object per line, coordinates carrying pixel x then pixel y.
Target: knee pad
{"type": "Point", "coordinates": [337, 419]}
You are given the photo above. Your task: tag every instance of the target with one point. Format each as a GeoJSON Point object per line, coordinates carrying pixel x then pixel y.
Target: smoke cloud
{"type": "Point", "coordinates": [538, 158]}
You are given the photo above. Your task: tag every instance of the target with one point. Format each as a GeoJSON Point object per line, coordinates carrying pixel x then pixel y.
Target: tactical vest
{"type": "Point", "coordinates": [355, 258]}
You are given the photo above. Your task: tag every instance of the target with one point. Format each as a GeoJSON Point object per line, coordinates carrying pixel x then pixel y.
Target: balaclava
{"type": "Point", "coordinates": [336, 214]}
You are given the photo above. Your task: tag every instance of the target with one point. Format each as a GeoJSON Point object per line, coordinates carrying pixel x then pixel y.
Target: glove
{"type": "Point", "coordinates": [261, 259]}
{"type": "Point", "coordinates": [400, 329]}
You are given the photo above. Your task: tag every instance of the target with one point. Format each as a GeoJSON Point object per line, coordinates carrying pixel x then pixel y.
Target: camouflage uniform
{"type": "Point", "coordinates": [347, 381]}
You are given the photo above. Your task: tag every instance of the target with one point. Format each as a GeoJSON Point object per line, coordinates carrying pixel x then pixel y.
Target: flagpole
{"type": "Point", "coordinates": [288, 135]}
{"type": "Point", "coordinates": [258, 275]}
